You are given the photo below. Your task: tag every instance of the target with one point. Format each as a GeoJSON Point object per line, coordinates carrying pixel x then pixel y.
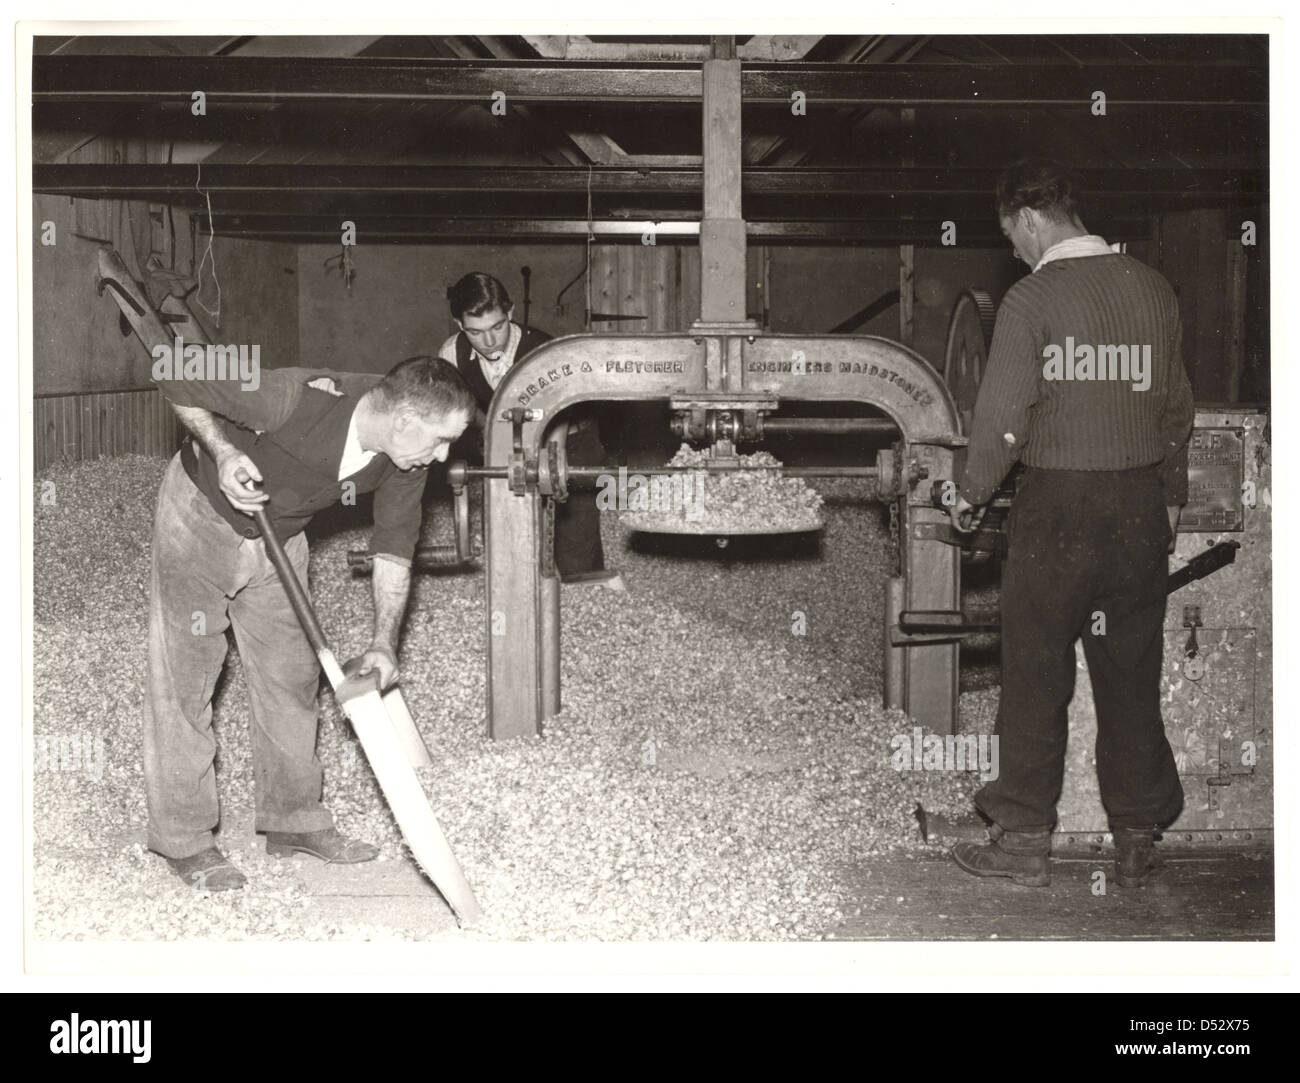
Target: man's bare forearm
{"type": "Point", "coordinates": [237, 474]}
{"type": "Point", "coordinates": [203, 424]}
{"type": "Point", "coordinates": [392, 585]}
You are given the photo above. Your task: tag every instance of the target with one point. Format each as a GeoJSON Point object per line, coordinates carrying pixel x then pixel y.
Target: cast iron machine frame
{"type": "Point", "coordinates": [710, 374]}
{"type": "Point", "coordinates": [721, 380]}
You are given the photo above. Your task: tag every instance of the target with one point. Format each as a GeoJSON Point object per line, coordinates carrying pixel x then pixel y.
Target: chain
{"type": "Point", "coordinates": [548, 537]}
{"type": "Point", "coordinates": [893, 531]}
{"type": "Point", "coordinates": [894, 527]}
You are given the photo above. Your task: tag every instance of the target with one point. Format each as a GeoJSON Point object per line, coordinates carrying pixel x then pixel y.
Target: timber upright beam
{"type": "Point", "coordinates": [724, 358]}
{"type": "Point", "coordinates": [722, 232]}
{"type": "Point", "coordinates": [523, 593]}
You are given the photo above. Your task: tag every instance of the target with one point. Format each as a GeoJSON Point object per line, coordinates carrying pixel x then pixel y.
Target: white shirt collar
{"type": "Point", "coordinates": [1075, 247]}
{"type": "Point", "coordinates": [494, 371]}
{"type": "Point", "coordinates": [354, 458]}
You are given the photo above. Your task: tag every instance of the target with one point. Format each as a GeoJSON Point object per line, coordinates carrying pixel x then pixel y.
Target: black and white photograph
{"type": "Point", "coordinates": [607, 488]}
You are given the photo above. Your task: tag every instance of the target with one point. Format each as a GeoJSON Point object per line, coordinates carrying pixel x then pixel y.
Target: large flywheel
{"type": "Point", "coordinates": [970, 332]}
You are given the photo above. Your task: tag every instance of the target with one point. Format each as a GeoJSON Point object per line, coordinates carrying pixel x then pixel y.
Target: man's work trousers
{"type": "Point", "coordinates": [205, 578]}
{"type": "Point", "coordinates": [1087, 557]}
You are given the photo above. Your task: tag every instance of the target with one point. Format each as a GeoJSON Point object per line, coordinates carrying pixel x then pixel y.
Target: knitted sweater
{"type": "Point", "coordinates": [1085, 373]}
{"type": "Point", "coordinates": [295, 435]}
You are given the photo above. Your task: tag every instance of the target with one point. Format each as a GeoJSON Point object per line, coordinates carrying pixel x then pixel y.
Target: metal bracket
{"type": "Point", "coordinates": [940, 532]}
{"type": "Point", "coordinates": [517, 470]}
{"type": "Point", "coordinates": [520, 473]}
{"type": "Point", "coordinates": [722, 415]}
{"type": "Point", "coordinates": [460, 520]}
{"type": "Point", "coordinates": [985, 542]}
{"type": "Point", "coordinates": [555, 468]}
{"type": "Point", "coordinates": [918, 626]}
{"type": "Point", "coordinates": [889, 473]}
{"type": "Point", "coordinates": [121, 291]}
{"type": "Point", "coordinates": [724, 400]}
{"type": "Point", "coordinates": [1203, 564]}
{"type": "Point", "coordinates": [1230, 765]}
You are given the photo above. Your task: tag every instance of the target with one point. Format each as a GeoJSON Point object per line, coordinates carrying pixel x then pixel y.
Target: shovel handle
{"type": "Point", "coordinates": [292, 587]}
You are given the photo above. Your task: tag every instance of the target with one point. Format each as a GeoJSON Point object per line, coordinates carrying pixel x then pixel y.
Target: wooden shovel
{"type": "Point", "coordinates": [389, 750]}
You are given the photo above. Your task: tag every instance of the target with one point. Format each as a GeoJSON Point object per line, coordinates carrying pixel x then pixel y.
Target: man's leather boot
{"type": "Point", "coordinates": [1135, 857]}
{"type": "Point", "coordinates": [1021, 855]}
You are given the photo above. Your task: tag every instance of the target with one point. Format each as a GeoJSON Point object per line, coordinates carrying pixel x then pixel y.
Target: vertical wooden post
{"type": "Point", "coordinates": [894, 669]}
{"type": "Point", "coordinates": [520, 612]}
{"type": "Point", "coordinates": [906, 252]}
{"type": "Point", "coordinates": [931, 580]}
{"type": "Point", "coordinates": [767, 287]}
{"type": "Point", "coordinates": [722, 232]}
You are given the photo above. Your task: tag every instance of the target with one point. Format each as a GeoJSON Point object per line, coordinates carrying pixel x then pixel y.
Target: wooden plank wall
{"type": "Point", "coordinates": [71, 428]}
{"type": "Point", "coordinates": [660, 282]}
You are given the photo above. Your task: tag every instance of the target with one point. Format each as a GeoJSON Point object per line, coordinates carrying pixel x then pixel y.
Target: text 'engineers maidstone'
{"type": "Point", "coordinates": [843, 368]}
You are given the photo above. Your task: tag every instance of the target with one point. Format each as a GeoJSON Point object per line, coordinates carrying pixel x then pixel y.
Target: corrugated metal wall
{"type": "Point", "coordinates": [69, 428]}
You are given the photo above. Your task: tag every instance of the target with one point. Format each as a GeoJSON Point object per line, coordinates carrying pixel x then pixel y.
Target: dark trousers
{"type": "Point", "coordinates": [1083, 543]}
{"type": "Point", "coordinates": [577, 520]}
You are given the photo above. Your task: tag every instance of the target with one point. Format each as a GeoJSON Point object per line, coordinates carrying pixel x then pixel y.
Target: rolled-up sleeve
{"type": "Point", "coordinates": [1006, 395]}
{"type": "Point", "coordinates": [262, 409]}
{"type": "Point", "coordinates": [398, 514]}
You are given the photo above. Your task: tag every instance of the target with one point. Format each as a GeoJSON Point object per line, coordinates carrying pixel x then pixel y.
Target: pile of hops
{"type": "Point", "coordinates": [721, 762]}
{"type": "Point", "coordinates": [754, 499]}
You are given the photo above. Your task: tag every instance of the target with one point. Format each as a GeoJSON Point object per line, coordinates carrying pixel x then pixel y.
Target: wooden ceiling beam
{"type": "Point", "coordinates": [306, 230]}
{"type": "Point", "coordinates": [155, 181]}
{"type": "Point", "coordinates": [326, 81]}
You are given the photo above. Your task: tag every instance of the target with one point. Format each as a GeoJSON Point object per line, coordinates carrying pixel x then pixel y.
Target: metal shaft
{"type": "Point", "coordinates": [831, 426]}
{"type": "Point", "coordinates": [592, 473]}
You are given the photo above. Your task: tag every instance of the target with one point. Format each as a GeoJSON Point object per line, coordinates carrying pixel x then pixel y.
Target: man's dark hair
{"type": "Point", "coordinates": [475, 294]}
{"type": "Point", "coordinates": [1042, 185]}
{"type": "Point", "coordinates": [429, 385]}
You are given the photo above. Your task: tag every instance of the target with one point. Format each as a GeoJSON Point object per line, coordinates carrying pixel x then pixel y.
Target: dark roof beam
{"type": "Point", "coordinates": [328, 81]}
{"type": "Point", "coordinates": [156, 181]}
{"type": "Point", "coordinates": [575, 230]}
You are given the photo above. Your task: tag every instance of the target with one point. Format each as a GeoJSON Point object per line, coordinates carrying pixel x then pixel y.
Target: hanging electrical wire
{"type": "Point", "coordinates": [343, 264]}
{"type": "Point", "coordinates": [216, 316]}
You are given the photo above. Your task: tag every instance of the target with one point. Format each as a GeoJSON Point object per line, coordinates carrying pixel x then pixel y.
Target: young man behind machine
{"type": "Point", "coordinates": [483, 350]}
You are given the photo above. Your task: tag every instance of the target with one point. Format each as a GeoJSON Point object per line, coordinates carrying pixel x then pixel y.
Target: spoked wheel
{"type": "Point", "coordinates": [970, 332]}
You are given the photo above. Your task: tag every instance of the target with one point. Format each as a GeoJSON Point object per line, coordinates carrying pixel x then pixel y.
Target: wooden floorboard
{"type": "Point", "coordinates": [1195, 896]}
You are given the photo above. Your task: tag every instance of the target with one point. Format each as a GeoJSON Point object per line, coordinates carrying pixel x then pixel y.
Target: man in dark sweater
{"type": "Point", "coordinates": [483, 350]}
{"type": "Point", "coordinates": [1085, 386]}
{"type": "Point", "coordinates": [298, 444]}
